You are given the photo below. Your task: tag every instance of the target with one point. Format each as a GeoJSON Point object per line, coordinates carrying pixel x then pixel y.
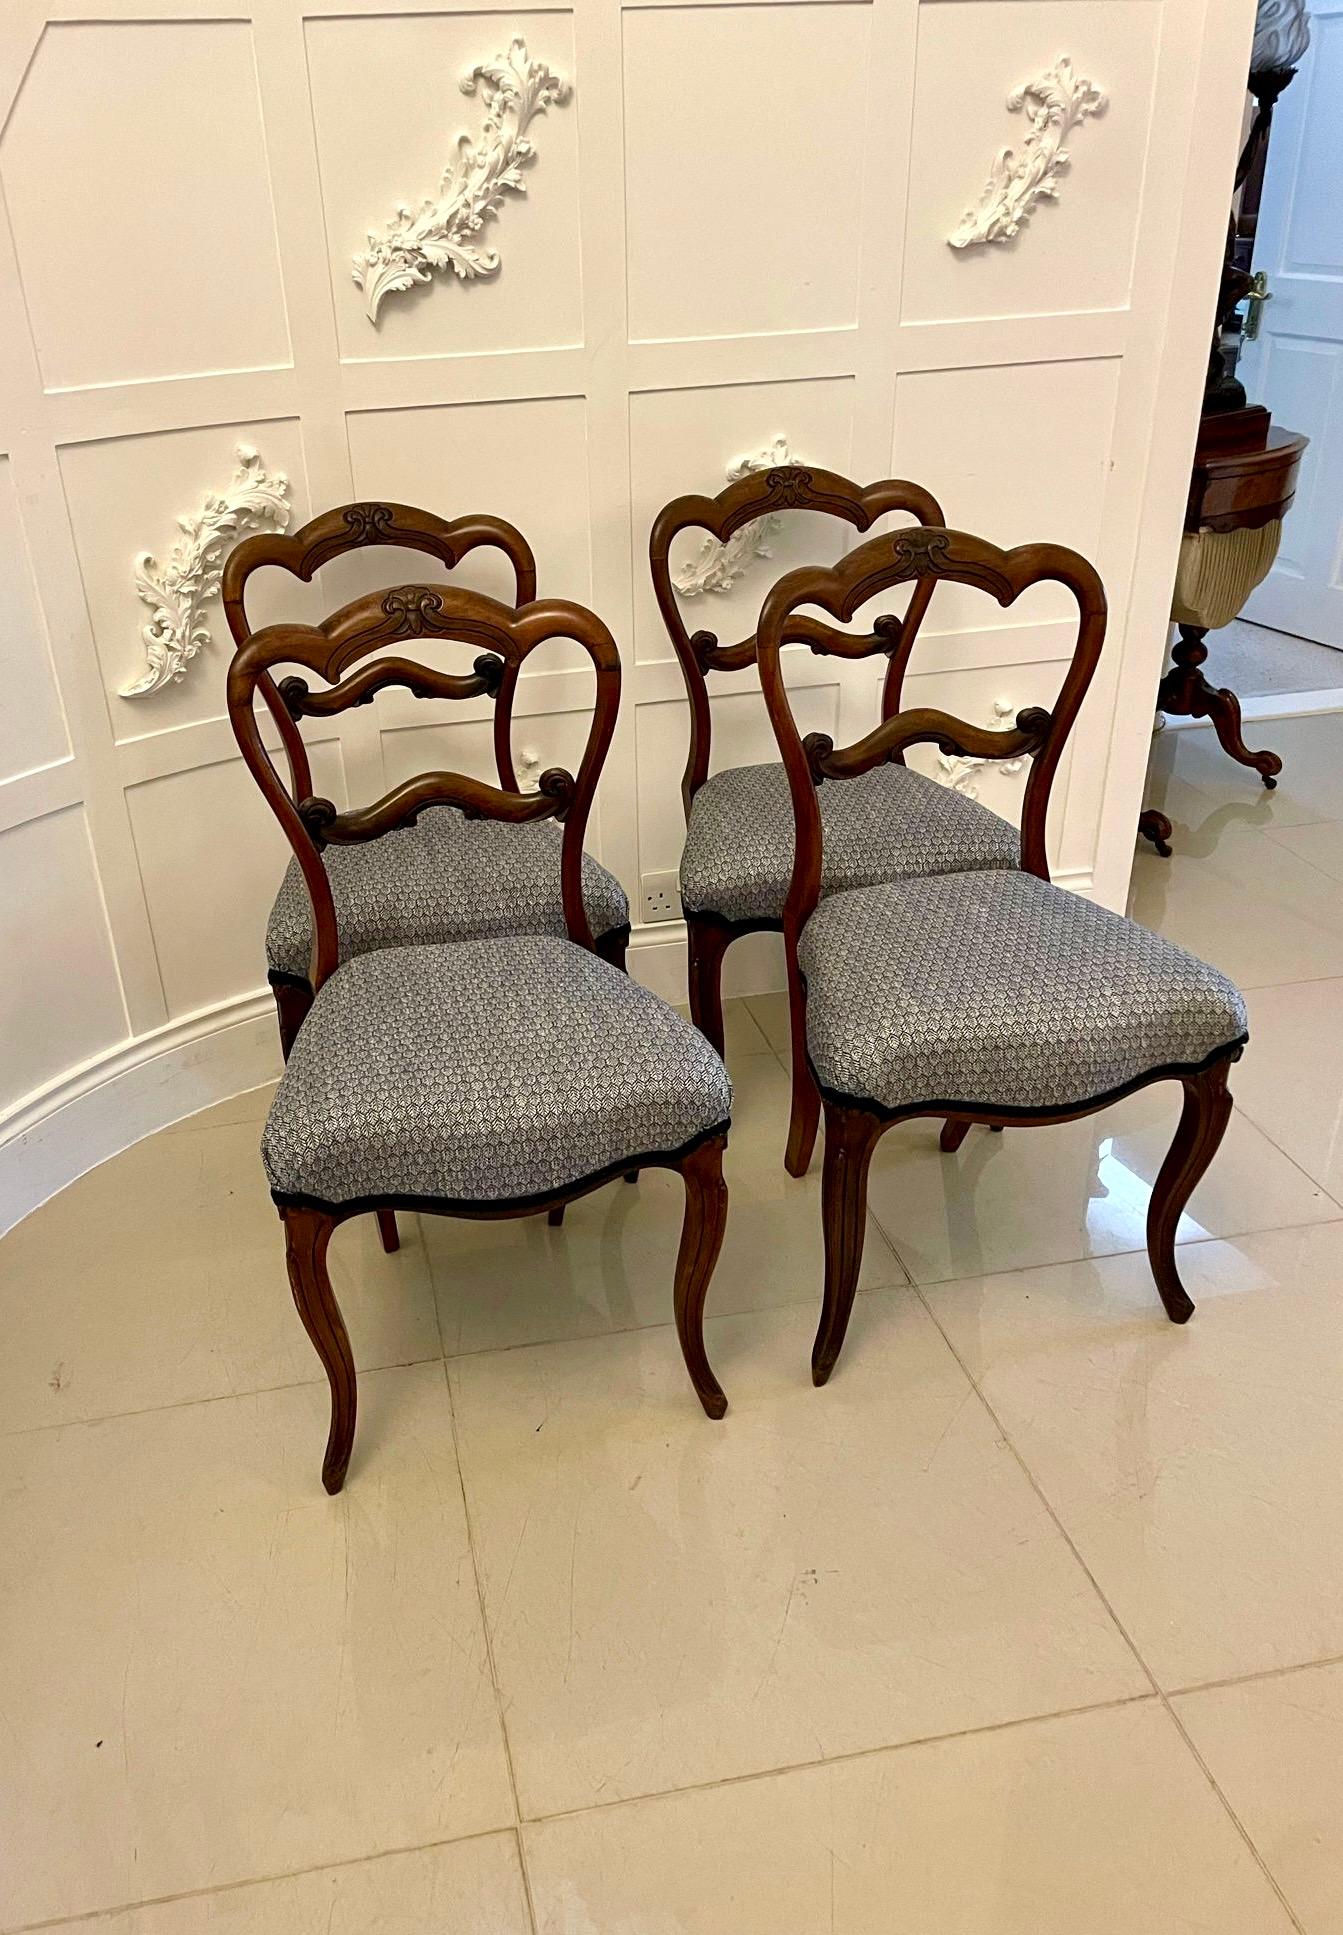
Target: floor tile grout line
{"type": "Point", "coordinates": [631, 1330]}
{"type": "Point", "coordinates": [519, 1827]}
{"type": "Point", "coordinates": [253, 1881]}
{"type": "Point", "coordinates": [835, 1760]}
{"type": "Point", "coordinates": [487, 1638]}
{"type": "Point", "coordinates": [1306, 981]}
{"type": "Point", "coordinates": [1233, 1817]}
{"type": "Point", "coordinates": [1269, 1137]}
{"type": "Point", "coordinates": [1253, 1679]}
{"type": "Point", "coordinates": [1103, 1256]}
{"type": "Point", "coordinates": [215, 1397]}
{"type": "Point", "coordinates": [1118, 1623]}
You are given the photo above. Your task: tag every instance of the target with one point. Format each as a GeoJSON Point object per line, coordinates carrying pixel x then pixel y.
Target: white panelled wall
{"type": "Point", "coordinates": [735, 229]}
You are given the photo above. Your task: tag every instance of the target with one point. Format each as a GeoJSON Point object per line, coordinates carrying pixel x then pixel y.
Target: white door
{"type": "Point", "coordinates": [1296, 366]}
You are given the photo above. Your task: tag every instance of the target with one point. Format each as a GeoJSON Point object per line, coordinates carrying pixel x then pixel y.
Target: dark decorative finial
{"type": "Point", "coordinates": [489, 669]}
{"type": "Point", "coordinates": [558, 785]}
{"type": "Point", "coordinates": [318, 816]}
{"type": "Point", "coordinates": [294, 695]}
{"type": "Point", "coordinates": [818, 747]}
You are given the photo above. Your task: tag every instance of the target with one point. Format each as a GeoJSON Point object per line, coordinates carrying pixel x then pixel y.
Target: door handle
{"type": "Point", "coordinates": [1256, 296]}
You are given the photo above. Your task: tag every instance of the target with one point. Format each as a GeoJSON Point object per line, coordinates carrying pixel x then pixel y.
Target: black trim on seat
{"type": "Point", "coordinates": [1171, 1071]}
{"type": "Point", "coordinates": [502, 1205]}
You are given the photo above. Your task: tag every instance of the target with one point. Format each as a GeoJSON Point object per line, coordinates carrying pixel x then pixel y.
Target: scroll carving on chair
{"type": "Point", "coordinates": [498, 1076]}
{"type": "Point", "coordinates": [891, 823]}
{"type": "Point", "coordinates": [989, 997]}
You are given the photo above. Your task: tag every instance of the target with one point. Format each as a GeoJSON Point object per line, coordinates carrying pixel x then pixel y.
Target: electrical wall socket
{"type": "Point", "coordinates": [661, 896]}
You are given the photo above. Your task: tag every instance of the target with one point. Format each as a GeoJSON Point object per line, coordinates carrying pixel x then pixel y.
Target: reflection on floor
{"type": "Point", "coordinates": [1030, 1623]}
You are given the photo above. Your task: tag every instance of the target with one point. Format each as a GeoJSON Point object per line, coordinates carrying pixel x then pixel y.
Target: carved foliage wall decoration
{"type": "Point", "coordinates": [961, 773]}
{"type": "Point", "coordinates": [718, 566]}
{"type": "Point", "coordinates": [441, 232]}
{"type": "Point", "coordinates": [1056, 102]}
{"type": "Point", "coordinates": [177, 591]}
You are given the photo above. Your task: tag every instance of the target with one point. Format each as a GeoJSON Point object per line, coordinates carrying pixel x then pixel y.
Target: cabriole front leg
{"type": "Point", "coordinates": [1203, 1120]}
{"type": "Point", "coordinates": [307, 1233]}
{"type": "Point", "coordinates": [850, 1137]}
{"type": "Point", "coordinates": [701, 1240]}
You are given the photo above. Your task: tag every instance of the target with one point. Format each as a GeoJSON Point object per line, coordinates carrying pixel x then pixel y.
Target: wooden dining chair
{"type": "Point", "coordinates": [449, 878]}
{"type": "Point", "coordinates": [893, 824]}
{"type": "Point", "coordinates": [988, 997]}
{"type": "Point", "coordinates": [496, 1076]}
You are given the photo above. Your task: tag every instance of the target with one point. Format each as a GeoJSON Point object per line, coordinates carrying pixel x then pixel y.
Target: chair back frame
{"type": "Point", "coordinates": [380, 618]}
{"type": "Point", "coordinates": [762, 493]}
{"type": "Point", "coordinates": [354, 527]}
{"type": "Point", "coordinates": [924, 555]}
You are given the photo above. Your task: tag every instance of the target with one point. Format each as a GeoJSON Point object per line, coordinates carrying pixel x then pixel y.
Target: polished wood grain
{"type": "Point", "coordinates": [701, 1240]}
{"type": "Point", "coordinates": [853, 1128]}
{"type": "Point", "coordinates": [1242, 485]}
{"type": "Point", "coordinates": [924, 725]}
{"type": "Point", "coordinates": [337, 651]}
{"type": "Point", "coordinates": [925, 555]}
{"type": "Point", "coordinates": [762, 493]}
{"type": "Point", "coordinates": [851, 1135]}
{"type": "Point", "coordinates": [785, 487]}
{"type": "Point", "coordinates": [1244, 476]}
{"type": "Point", "coordinates": [354, 527]}
{"type": "Point", "coordinates": [308, 1231]}
{"type": "Point", "coordinates": [1203, 1120]}
{"type": "Point", "coordinates": [354, 633]}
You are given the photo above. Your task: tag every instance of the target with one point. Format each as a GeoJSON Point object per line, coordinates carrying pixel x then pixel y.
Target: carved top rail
{"type": "Point", "coordinates": [333, 649]}
{"type": "Point", "coordinates": [354, 527]}
{"type": "Point", "coordinates": [762, 493]}
{"type": "Point", "coordinates": [923, 555]}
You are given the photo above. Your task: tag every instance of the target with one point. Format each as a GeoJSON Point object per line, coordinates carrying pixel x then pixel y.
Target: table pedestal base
{"type": "Point", "coordinates": [1186, 693]}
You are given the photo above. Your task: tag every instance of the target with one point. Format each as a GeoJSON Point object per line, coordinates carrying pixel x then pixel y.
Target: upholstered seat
{"type": "Point", "coordinates": [999, 991]}
{"type": "Point", "coordinates": [484, 1071]}
{"type": "Point", "coordinates": [444, 879]}
{"type": "Point", "coordinates": [890, 824]}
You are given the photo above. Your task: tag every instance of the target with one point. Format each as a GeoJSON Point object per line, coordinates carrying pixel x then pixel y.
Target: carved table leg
{"type": "Point", "coordinates": [1157, 828]}
{"type": "Point", "coordinates": [1187, 693]}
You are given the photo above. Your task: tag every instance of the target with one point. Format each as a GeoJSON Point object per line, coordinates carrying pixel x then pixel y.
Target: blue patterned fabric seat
{"type": "Point", "coordinates": [484, 1071]}
{"type": "Point", "coordinates": [997, 990]}
{"type": "Point", "coordinates": [892, 824]}
{"type": "Point", "coordinates": [445, 879]}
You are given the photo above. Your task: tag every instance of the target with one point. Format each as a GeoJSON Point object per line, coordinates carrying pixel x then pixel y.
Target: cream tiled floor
{"type": "Point", "coordinates": [1030, 1623]}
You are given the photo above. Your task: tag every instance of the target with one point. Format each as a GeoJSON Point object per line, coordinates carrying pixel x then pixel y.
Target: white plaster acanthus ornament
{"type": "Point", "coordinates": [961, 772]}
{"type": "Point", "coordinates": [176, 592]}
{"type": "Point", "coordinates": [1056, 103]}
{"type": "Point", "coordinates": [440, 233]}
{"type": "Point", "coordinates": [718, 566]}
